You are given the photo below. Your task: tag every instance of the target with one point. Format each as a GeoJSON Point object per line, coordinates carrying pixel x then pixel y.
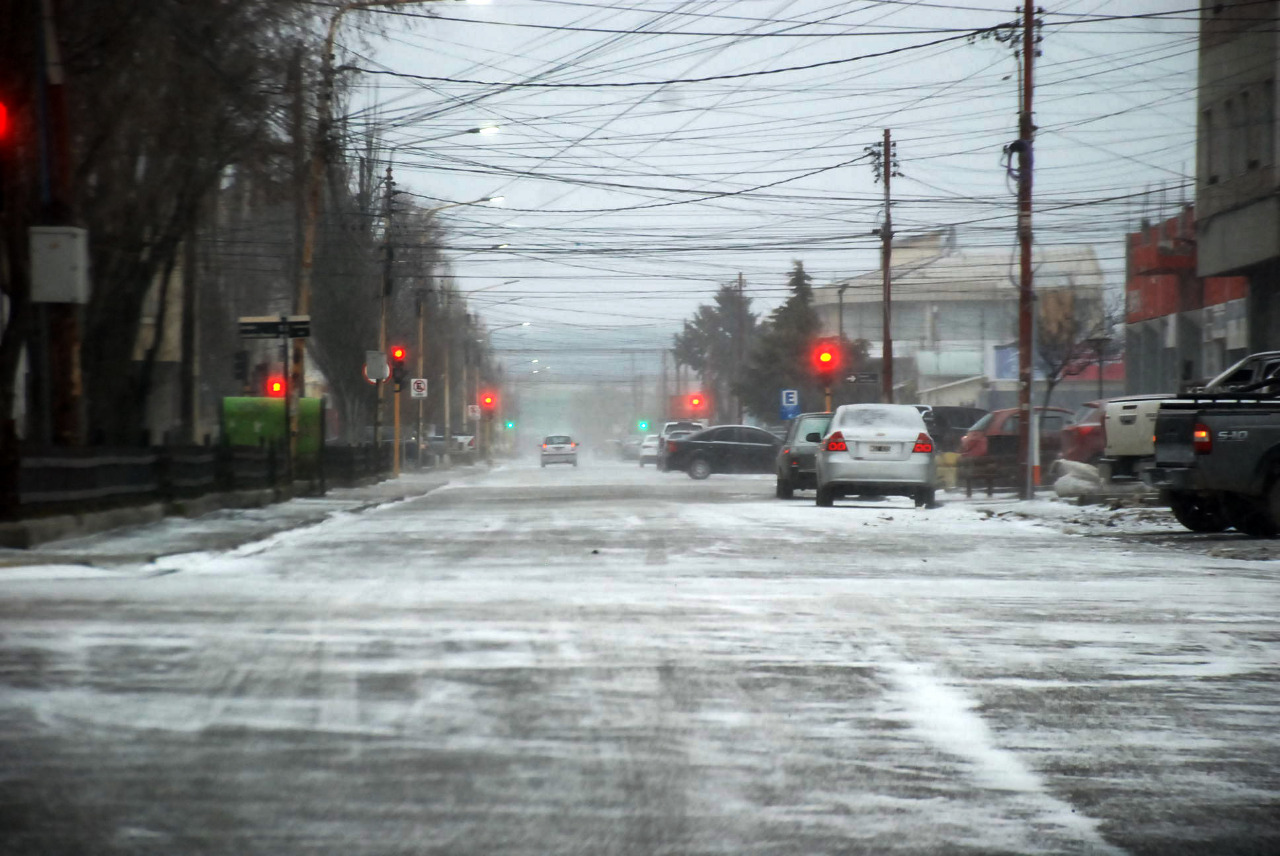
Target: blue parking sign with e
{"type": "Point", "coordinates": [790, 404]}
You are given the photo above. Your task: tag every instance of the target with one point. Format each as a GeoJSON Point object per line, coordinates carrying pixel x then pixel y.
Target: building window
{"type": "Point", "coordinates": [1248, 138]}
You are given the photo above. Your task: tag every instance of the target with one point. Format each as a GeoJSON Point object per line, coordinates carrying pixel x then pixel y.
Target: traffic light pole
{"type": "Point", "coordinates": [395, 455]}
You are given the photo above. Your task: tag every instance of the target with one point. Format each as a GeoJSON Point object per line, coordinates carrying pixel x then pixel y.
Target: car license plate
{"type": "Point", "coordinates": [880, 447]}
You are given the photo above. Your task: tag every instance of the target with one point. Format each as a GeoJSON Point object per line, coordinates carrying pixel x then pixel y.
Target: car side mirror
{"type": "Point", "coordinates": [813, 437]}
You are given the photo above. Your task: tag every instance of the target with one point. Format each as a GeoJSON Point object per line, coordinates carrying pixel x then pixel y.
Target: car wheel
{"type": "Point", "coordinates": [544, 465]}
{"type": "Point", "coordinates": [642, 463]}
{"type": "Point", "coordinates": [699, 469]}
{"type": "Point", "coordinates": [826, 496]}
{"type": "Point", "coordinates": [575, 462]}
{"type": "Point", "coordinates": [784, 489]}
{"type": "Point", "coordinates": [1250, 515]}
{"type": "Point", "coordinates": [925, 497]}
{"type": "Point", "coordinates": [1198, 513]}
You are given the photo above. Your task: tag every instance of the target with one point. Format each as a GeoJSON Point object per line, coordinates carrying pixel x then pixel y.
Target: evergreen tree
{"type": "Point", "coordinates": [780, 357]}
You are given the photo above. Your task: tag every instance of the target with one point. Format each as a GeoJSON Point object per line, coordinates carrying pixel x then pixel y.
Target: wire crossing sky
{"type": "Point", "coordinates": [648, 152]}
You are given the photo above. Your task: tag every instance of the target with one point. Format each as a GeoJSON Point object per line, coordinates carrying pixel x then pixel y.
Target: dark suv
{"type": "Point", "coordinates": [796, 467]}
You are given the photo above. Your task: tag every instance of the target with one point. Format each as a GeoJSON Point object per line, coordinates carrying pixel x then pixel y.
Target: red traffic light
{"type": "Point", "coordinates": [275, 386]}
{"type": "Point", "coordinates": [827, 359]}
{"type": "Point", "coordinates": [4, 120]}
{"type": "Point", "coordinates": [696, 400]}
{"type": "Point", "coordinates": [488, 400]}
{"type": "Point", "coordinates": [398, 354]}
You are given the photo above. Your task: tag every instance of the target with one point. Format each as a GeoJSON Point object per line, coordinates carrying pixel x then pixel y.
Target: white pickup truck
{"type": "Point", "coordinates": [1129, 423]}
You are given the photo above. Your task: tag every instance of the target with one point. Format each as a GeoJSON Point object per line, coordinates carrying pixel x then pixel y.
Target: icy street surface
{"type": "Point", "coordinates": [609, 660]}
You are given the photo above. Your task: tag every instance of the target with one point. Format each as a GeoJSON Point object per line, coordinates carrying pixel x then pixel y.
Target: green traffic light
{"type": "Point", "coordinates": [642, 425]}
{"type": "Point", "coordinates": [510, 424]}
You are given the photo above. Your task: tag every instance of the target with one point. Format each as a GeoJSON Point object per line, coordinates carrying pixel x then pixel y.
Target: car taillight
{"type": "Point", "coordinates": [544, 445]}
{"type": "Point", "coordinates": [671, 446]}
{"type": "Point", "coordinates": [923, 444]}
{"type": "Point", "coordinates": [573, 445]}
{"type": "Point", "coordinates": [1201, 440]}
{"type": "Point", "coordinates": [786, 451]}
{"type": "Point", "coordinates": [836, 443]}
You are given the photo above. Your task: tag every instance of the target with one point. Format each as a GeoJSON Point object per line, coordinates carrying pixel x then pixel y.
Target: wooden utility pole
{"type": "Point", "coordinates": [886, 255]}
{"type": "Point", "coordinates": [1026, 292]}
{"type": "Point", "coordinates": [382, 313]}
{"type": "Point", "coordinates": [740, 349]}
{"type": "Point", "coordinates": [423, 296]}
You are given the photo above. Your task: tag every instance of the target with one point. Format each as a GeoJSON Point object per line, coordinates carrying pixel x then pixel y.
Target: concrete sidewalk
{"type": "Point", "coordinates": [148, 534]}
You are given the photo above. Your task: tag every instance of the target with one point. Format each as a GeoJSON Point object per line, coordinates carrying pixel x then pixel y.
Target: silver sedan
{"type": "Point", "coordinates": [880, 449]}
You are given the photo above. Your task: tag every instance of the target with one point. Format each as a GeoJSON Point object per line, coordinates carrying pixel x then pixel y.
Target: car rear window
{"type": "Point", "coordinates": [890, 417]}
{"type": "Point", "coordinates": [810, 424]}
{"type": "Point", "coordinates": [559, 440]}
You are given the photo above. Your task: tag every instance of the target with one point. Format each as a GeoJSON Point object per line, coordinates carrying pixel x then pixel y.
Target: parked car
{"type": "Point", "coordinates": [796, 465]}
{"type": "Point", "coordinates": [649, 450]}
{"type": "Point", "coordinates": [1084, 438]}
{"type": "Point", "coordinates": [629, 447]}
{"type": "Point", "coordinates": [1217, 461]}
{"type": "Point", "coordinates": [723, 449]}
{"type": "Point", "coordinates": [948, 423]}
{"type": "Point", "coordinates": [1129, 423]}
{"type": "Point", "coordinates": [989, 450]}
{"type": "Point", "coordinates": [881, 449]}
{"type": "Point", "coordinates": [559, 449]}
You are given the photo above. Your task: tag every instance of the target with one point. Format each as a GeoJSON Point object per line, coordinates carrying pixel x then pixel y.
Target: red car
{"type": "Point", "coordinates": [989, 450]}
{"type": "Point", "coordinates": [1085, 438]}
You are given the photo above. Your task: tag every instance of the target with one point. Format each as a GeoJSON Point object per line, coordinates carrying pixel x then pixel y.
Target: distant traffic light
{"type": "Point", "coordinates": [643, 425]}
{"type": "Point", "coordinates": [697, 403]}
{"type": "Point", "coordinates": [398, 370]}
{"type": "Point", "coordinates": [827, 359]}
{"type": "Point", "coordinates": [488, 403]}
{"type": "Point", "coordinates": [275, 386]}
{"type": "Point", "coordinates": [4, 121]}
{"type": "Point", "coordinates": [510, 424]}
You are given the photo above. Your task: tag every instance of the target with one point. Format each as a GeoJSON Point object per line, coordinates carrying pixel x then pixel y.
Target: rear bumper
{"type": "Point", "coordinates": [559, 457]}
{"type": "Point", "coordinates": [1171, 478]}
{"type": "Point", "coordinates": [891, 477]}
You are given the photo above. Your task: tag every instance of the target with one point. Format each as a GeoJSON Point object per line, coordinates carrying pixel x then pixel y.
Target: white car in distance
{"type": "Point", "coordinates": [649, 450]}
{"type": "Point", "coordinates": [559, 449]}
{"type": "Point", "coordinates": [877, 449]}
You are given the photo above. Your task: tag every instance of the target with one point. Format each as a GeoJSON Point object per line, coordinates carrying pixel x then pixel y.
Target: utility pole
{"type": "Point", "coordinates": [886, 255]}
{"type": "Point", "coordinates": [740, 342]}
{"type": "Point", "coordinates": [446, 327]}
{"type": "Point", "coordinates": [387, 259]}
{"type": "Point", "coordinates": [1026, 292]}
{"type": "Point", "coordinates": [423, 297]}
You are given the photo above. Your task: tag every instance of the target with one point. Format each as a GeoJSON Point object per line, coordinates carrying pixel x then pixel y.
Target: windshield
{"type": "Point", "coordinates": [341, 342]}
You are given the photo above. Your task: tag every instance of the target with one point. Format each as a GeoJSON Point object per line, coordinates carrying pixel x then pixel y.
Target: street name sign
{"type": "Point", "coordinates": [275, 326]}
{"type": "Point", "coordinates": [864, 377]}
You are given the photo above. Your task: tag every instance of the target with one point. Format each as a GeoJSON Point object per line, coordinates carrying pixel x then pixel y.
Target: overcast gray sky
{"type": "Point", "coordinates": [651, 150]}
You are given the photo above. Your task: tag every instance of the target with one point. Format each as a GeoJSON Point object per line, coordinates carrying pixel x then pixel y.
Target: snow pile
{"type": "Point", "coordinates": [1076, 479]}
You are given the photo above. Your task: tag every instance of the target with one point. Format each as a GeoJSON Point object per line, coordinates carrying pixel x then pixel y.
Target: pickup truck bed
{"type": "Point", "coordinates": [1217, 462]}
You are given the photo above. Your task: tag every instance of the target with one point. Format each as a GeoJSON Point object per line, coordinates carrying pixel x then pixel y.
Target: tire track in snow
{"type": "Point", "coordinates": [942, 714]}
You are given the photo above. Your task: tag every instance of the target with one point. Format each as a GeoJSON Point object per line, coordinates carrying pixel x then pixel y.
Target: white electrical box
{"type": "Point", "coordinates": [59, 264]}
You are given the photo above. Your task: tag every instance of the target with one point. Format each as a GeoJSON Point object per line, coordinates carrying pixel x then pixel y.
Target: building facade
{"type": "Point", "coordinates": [1179, 327]}
{"type": "Point", "coordinates": [1237, 176]}
{"type": "Point", "coordinates": [955, 315]}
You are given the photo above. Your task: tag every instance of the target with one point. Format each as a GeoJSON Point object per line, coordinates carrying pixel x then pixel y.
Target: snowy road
{"type": "Point", "coordinates": [608, 660]}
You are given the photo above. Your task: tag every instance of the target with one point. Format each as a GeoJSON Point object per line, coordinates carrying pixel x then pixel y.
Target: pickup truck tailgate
{"type": "Point", "coordinates": [1174, 437]}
